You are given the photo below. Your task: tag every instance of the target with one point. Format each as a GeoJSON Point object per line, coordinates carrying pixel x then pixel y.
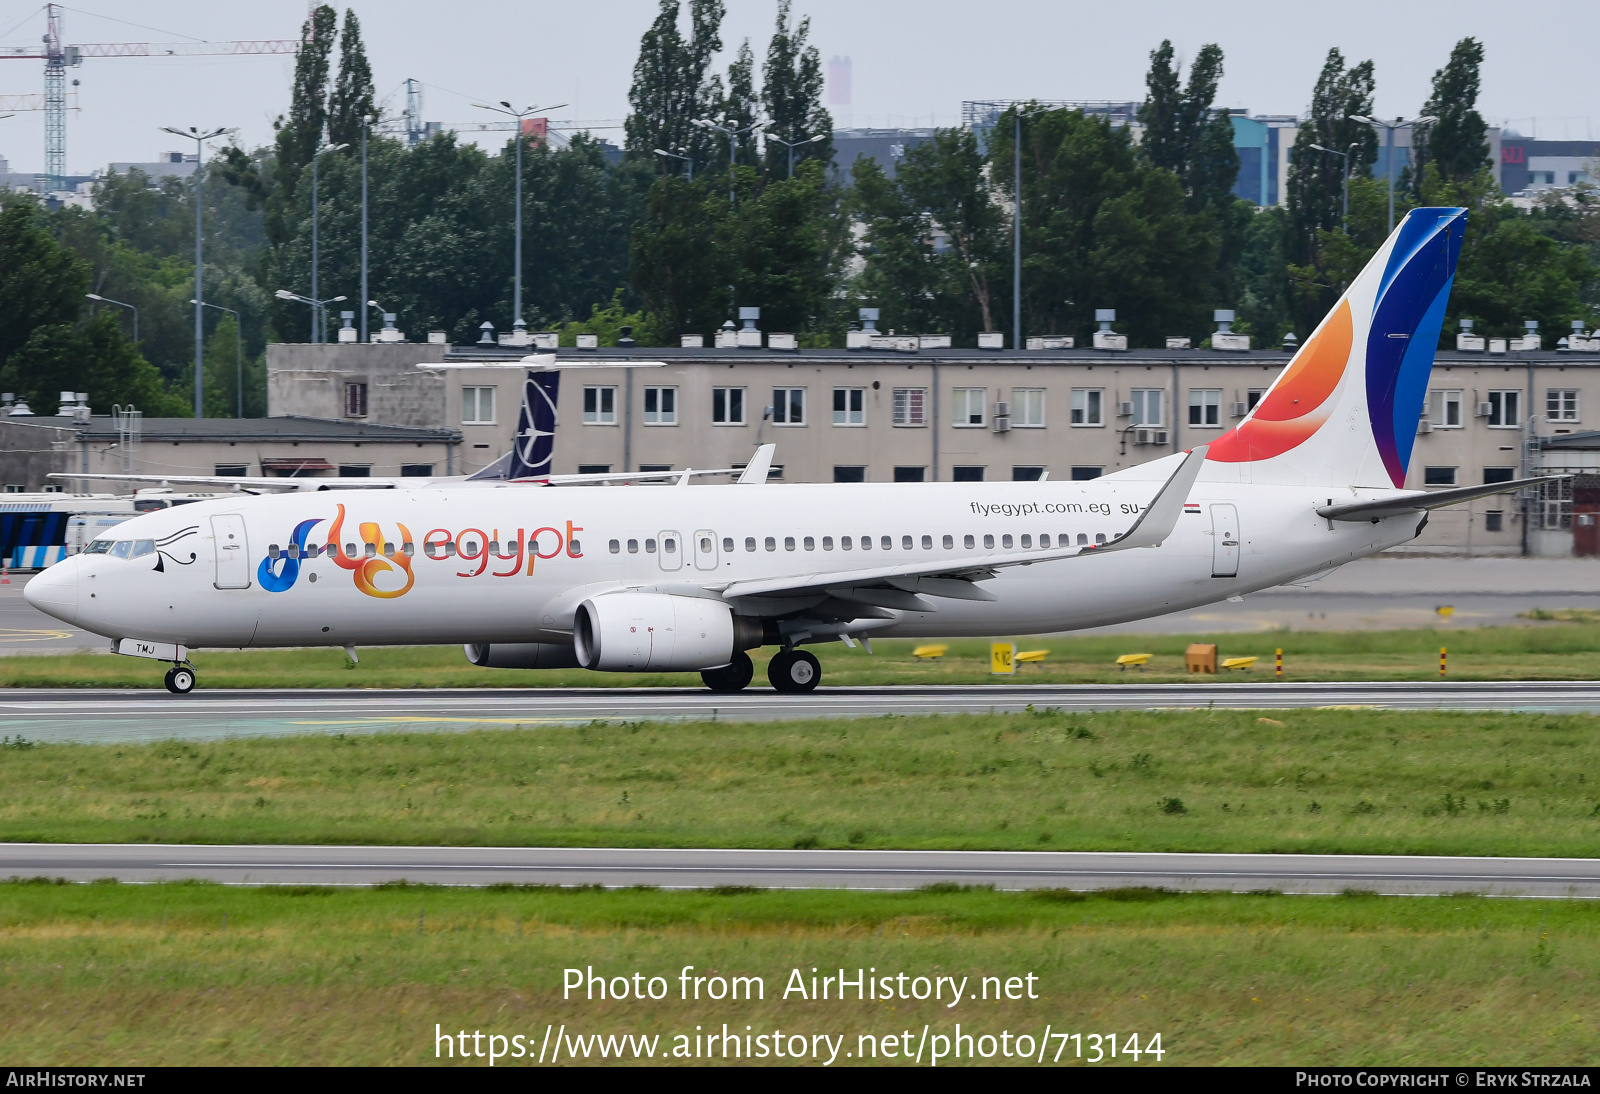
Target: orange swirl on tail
{"type": "Point", "coordinates": [1295, 407]}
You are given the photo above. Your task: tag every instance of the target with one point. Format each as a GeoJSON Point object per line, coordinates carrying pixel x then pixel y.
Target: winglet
{"type": "Point", "coordinates": [760, 466]}
{"type": "Point", "coordinates": [1160, 517]}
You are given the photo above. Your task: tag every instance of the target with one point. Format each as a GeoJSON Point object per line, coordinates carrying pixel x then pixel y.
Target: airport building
{"type": "Point", "coordinates": [907, 409]}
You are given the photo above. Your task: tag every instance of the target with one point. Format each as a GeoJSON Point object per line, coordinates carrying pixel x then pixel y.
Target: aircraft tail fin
{"type": "Point", "coordinates": [1345, 410]}
{"type": "Point", "coordinates": [534, 445]}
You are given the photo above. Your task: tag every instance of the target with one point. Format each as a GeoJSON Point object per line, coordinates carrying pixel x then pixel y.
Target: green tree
{"type": "Point", "coordinates": [223, 361]}
{"type": "Point", "coordinates": [301, 133]}
{"type": "Point", "coordinates": [1181, 131]}
{"type": "Point", "coordinates": [676, 263]}
{"type": "Point", "coordinates": [41, 282]}
{"type": "Point", "coordinates": [1456, 145]}
{"type": "Point", "coordinates": [1103, 229]}
{"type": "Point", "coordinates": [351, 102]}
{"type": "Point", "coordinates": [96, 358]}
{"type": "Point", "coordinates": [737, 109]}
{"type": "Point", "coordinates": [672, 84]}
{"type": "Point", "coordinates": [792, 95]}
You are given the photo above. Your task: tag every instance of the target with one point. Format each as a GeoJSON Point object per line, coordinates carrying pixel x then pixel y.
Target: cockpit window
{"type": "Point", "coordinates": [142, 547]}
{"type": "Point", "coordinates": [121, 548]}
{"type": "Point", "coordinates": [98, 547]}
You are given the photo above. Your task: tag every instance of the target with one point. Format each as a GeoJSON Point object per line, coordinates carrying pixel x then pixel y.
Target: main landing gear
{"type": "Point", "coordinates": [180, 679]}
{"type": "Point", "coordinates": [731, 677]}
{"type": "Point", "coordinates": [794, 671]}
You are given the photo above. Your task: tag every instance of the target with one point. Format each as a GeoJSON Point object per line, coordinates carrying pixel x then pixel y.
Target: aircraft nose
{"type": "Point", "coordinates": [55, 591]}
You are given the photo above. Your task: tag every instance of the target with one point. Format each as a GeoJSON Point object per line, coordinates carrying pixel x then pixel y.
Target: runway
{"type": "Point", "coordinates": [131, 715]}
{"type": "Point", "coordinates": [697, 869]}
{"type": "Point", "coordinates": [128, 715]}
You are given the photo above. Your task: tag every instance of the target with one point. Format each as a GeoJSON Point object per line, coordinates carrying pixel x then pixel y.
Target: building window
{"type": "Point", "coordinates": [660, 406]}
{"type": "Point", "coordinates": [1253, 396]}
{"type": "Point", "coordinates": [1205, 406]}
{"type": "Point", "coordinates": [910, 474]}
{"type": "Point", "coordinates": [1086, 406]}
{"type": "Point", "coordinates": [1553, 505]}
{"type": "Point", "coordinates": [910, 406]}
{"type": "Point", "coordinates": [1498, 474]}
{"type": "Point", "coordinates": [1027, 407]}
{"type": "Point", "coordinates": [1084, 474]}
{"type": "Point", "coordinates": [233, 470]}
{"type": "Point", "coordinates": [599, 406]}
{"type": "Point", "coordinates": [967, 474]}
{"type": "Point", "coordinates": [727, 406]}
{"type": "Point", "coordinates": [594, 469]}
{"type": "Point", "coordinates": [788, 406]}
{"type": "Point", "coordinates": [1438, 476]}
{"type": "Point", "coordinates": [1494, 520]}
{"type": "Point", "coordinates": [655, 467]}
{"type": "Point", "coordinates": [355, 471]}
{"type": "Point", "coordinates": [416, 471]}
{"type": "Point", "coordinates": [1147, 405]}
{"type": "Point", "coordinates": [1505, 409]}
{"type": "Point", "coordinates": [849, 406]}
{"type": "Point", "coordinates": [355, 400]}
{"type": "Point", "coordinates": [1561, 405]}
{"type": "Point", "coordinates": [477, 406]}
{"type": "Point", "coordinates": [1027, 474]}
{"type": "Point", "coordinates": [850, 474]}
{"type": "Point", "coordinates": [1444, 409]}
{"type": "Point", "coordinates": [967, 406]}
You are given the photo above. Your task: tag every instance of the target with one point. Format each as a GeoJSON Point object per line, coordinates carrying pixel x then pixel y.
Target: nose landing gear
{"type": "Point", "coordinates": [180, 679]}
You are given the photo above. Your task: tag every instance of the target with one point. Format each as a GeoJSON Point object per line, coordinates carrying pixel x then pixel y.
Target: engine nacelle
{"type": "Point", "coordinates": [521, 655]}
{"type": "Point", "coordinates": [639, 632]}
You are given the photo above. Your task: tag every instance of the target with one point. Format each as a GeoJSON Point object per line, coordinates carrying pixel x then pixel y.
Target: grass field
{"type": "Point", "coordinates": [1555, 650]}
{"type": "Point", "coordinates": [1307, 781]}
{"type": "Point", "coordinates": [201, 974]}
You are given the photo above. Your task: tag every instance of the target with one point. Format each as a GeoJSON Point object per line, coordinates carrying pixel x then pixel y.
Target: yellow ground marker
{"type": "Point", "coordinates": [930, 653]}
{"type": "Point", "coordinates": [1138, 660]}
{"type": "Point", "coordinates": [1240, 663]}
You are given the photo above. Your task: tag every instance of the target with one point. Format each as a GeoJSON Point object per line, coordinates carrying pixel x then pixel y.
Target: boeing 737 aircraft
{"type": "Point", "coordinates": [690, 578]}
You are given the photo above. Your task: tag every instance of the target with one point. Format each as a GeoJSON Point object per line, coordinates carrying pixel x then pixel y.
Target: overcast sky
{"type": "Point", "coordinates": [913, 61]}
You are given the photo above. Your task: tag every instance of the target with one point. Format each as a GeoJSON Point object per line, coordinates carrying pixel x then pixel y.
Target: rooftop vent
{"type": "Point", "coordinates": [1291, 344]}
{"type": "Point", "coordinates": [991, 339]}
{"type": "Point", "coordinates": [390, 332]}
{"type": "Point", "coordinates": [1105, 338]}
{"type": "Point", "coordinates": [1582, 342]}
{"type": "Point", "coordinates": [486, 337]}
{"type": "Point", "coordinates": [727, 337]}
{"type": "Point", "coordinates": [347, 331]}
{"type": "Point", "coordinates": [1223, 337]}
{"type": "Point", "coordinates": [1050, 341]}
{"type": "Point", "coordinates": [748, 336]}
{"type": "Point", "coordinates": [1529, 341]}
{"type": "Point", "coordinates": [1178, 343]}
{"type": "Point", "coordinates": [861, 337]}
{"type": "Point", "coordinates": [1467, 342]}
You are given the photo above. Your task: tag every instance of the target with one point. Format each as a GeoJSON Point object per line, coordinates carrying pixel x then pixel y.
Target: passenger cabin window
{"type": "Point", "coordinates": [727, 406]}
{"type": "Point", "coordinates": [477, 406]}
{"type": "Point", "coordinates": [599, 406]}
{"type": "Point", "coordinates": [849, 406]}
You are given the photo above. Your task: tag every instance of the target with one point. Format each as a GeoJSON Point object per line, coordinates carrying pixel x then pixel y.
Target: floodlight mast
{"type": "Point", "coordinates": [199, 139]}
{"type": "Point", "coordinates": [792, 145]}
{"type": "Point", "coordinates": [1388, 146]}
{"type": "Point", "coordinates": [733, 136]}
{"type": "Point", "coordinates": [517, 323]}
{"type": "Point", "coordinates": [107, 300]}
{"type": "Point", "coordinates": [1344, 215]}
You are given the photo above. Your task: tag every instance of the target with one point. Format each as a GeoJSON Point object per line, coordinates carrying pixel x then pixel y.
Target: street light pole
{"type": "Point", "coordinates": [733, 145]}
{"type": "Point", "coordinates": [792, 145]}
{"type": "Point", "coordinates": [517, 323]}
{"type": "Point", "coordinates": [673, 155]}
{"type": "Point", "coordinates": [1388, 146]}
{"type": "Point", "coordinates": [238, 347]}
{"type": "Point", "coordinates": [199, 139]}
{"type": "Point", "coordinates": [1016, 246]}
{"type": "Point", "coordinates": [316, 305]}
{"type": "Point", "coordinates": [366, 124]}
{"type": "Point", "coordinates": [319, 329]}
{"type": "Point", "coordinates": [120, 304]}
{"type": "Point", "coordinates": [1344, 216]}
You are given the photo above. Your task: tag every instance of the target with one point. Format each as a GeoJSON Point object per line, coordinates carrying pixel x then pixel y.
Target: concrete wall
{"type": "Point", "coordinates": [308, 380]}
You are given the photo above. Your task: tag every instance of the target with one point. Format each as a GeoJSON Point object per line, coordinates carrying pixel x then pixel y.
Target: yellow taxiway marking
{"type": "Point", "coordinates": [399, 718]}
{"type": "Point", "coordinates": [9, 635]}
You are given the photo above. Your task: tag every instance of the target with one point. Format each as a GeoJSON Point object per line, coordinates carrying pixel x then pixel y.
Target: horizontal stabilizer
{"type": "Point", "coordinates": [1404, 504]}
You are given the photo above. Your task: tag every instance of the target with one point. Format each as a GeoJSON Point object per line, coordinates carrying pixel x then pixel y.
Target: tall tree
{"type": "Point", "coordinates": [1456, 145]}
{"type": "Point", "coordinates": [1181, 131]}
{"type": "Point", "coordinates": [792, 95]}
{"type": "Point", "coordinates": [352, 99]}
{"type": "Point", "coordinates": [738, 109]}
{"type": "Point", "coordinates": [1316, 179]}
{"type": "Point", "coordinates": [41, 282]}
{"type": "Point", "coordinates": [672, 85]}
{"type": "Point", "coordinates": [302, 131]}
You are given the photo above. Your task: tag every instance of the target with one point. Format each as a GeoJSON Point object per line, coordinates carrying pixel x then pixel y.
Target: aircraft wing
{"type": "Point", "coordinates": [899, 586]}
{"type": "Point", "coordinates": [1401, 504]}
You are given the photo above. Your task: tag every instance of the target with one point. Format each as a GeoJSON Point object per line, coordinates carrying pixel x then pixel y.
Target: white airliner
{"type": "Point", "coordinates": [690, 578]}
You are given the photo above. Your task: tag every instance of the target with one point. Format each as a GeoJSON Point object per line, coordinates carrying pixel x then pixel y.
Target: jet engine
{"type": "Point", "coordinates": [638, 632]}
{"type": "Point", "coordinates": [521, 655]}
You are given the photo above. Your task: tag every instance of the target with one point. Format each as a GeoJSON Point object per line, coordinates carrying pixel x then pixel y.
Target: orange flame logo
{"type": "Point", "coordinates": [377, 560]}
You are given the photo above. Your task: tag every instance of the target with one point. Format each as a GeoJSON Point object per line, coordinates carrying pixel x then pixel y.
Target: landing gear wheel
{"type": "Point", "coordinates": [731, 677]}
{"type": "Point", "coordinates": [180, 680]}
{"type": "Point", "coordinates": [794, 671]}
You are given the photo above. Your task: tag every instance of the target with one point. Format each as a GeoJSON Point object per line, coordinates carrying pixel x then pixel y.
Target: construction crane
{"type": "Point", "coordinates": [58, 57]}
